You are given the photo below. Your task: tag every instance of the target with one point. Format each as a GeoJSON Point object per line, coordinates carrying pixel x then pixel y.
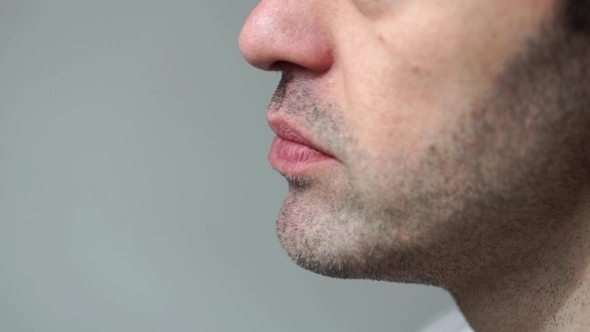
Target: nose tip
{"type": "Point", "coordinates": [254, 41]}
{"type": "Point", "coordinates": [276, 33]}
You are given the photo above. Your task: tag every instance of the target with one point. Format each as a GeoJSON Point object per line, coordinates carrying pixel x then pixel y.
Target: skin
{"type": "Point", "coordinates": [461, 131]}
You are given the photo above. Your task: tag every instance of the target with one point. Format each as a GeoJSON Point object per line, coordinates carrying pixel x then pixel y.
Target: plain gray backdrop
{"type": "Point", "coordinates": [134, 188]}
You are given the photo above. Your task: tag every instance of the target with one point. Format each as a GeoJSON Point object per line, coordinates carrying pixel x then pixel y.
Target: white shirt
{"type": "Point", "coordinates": [452, 321]}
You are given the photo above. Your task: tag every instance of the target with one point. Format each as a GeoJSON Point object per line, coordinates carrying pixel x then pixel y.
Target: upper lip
{"type": "Point", "coordinates": [288, 131]}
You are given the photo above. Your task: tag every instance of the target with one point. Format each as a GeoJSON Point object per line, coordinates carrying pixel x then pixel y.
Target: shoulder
{"type": "Point", "coordinates": [450, 321]}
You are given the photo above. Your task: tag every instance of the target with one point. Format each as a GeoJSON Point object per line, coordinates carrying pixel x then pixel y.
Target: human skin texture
{"type": "Point", "coordinates": [461, 136]}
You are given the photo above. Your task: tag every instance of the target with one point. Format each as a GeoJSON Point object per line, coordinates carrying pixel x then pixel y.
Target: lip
{"type": "Point", "coordinates": [287, 131]}
{"type": "Point", "coordinates": [292, 153]}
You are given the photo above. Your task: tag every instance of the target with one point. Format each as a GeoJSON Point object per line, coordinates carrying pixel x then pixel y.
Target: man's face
{"type": "Point", "coordinates": [455, 127]}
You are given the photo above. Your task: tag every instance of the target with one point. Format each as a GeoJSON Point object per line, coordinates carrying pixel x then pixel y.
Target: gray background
{"type": "Point", "coordinates": [134, 189]}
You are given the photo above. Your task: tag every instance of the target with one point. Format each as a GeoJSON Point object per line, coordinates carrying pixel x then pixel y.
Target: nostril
{"type": "Point", "coordinates": [282, 66]}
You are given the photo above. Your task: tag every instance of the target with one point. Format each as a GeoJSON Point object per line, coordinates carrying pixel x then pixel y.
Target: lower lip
{"type": "Point", "coordinates": [293, 158]}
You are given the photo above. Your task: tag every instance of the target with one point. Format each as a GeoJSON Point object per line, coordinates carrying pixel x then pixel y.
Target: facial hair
{"type": "Point", "coordinates": [483, 194]}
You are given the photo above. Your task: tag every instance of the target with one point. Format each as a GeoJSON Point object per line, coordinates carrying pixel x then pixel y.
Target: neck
{"type": "Point", "coordinates": [547, 289]}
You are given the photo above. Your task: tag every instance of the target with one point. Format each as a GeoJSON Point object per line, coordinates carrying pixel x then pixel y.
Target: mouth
{"type": "Point", "coordinates": [292, 153]}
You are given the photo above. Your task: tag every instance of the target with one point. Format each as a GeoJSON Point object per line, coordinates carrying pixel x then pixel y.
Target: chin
{"type": "Point", "coordinates": [339, 250]}
{"type": "Point", "coordinates": [347, 266]}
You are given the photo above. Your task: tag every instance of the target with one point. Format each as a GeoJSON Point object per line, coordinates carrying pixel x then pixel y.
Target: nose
{"type": "Point", "coordinates": [282, 33]}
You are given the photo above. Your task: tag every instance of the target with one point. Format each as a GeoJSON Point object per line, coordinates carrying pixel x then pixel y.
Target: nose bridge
{"type": "Point", "coordinates": [291, 31]}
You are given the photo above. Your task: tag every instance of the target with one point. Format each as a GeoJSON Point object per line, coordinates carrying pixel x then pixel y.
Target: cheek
{"type": "Point", "coordinates": [394, 115]}
{"type": "Point", "coordinates": [397, 89]}
{"type": "Point", "coordinates": [411, 74]}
